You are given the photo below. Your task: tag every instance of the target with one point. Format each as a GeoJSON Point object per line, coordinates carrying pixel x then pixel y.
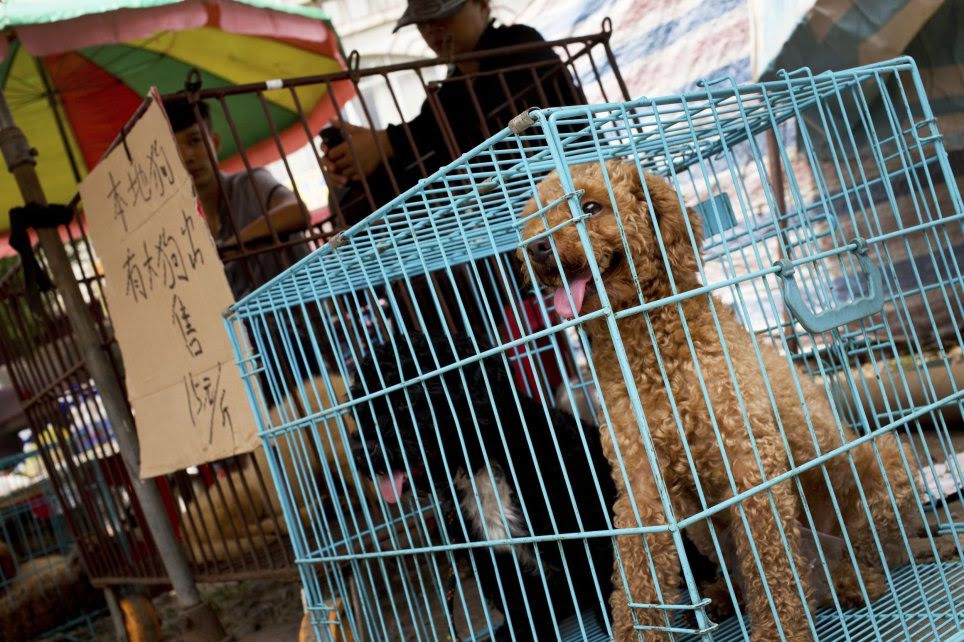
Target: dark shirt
{"type": "Point", "coordinates": [481, 104]}
{"type": "Point", "coordinates": [472, 107]}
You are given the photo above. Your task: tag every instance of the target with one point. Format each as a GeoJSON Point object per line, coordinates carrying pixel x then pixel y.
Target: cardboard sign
{"type": "Point", "coordinates": [166, 291]}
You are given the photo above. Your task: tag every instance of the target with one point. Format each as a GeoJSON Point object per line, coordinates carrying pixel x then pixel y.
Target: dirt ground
{"type": "Point", "coordinates": [252, 611]}
{"type": "Point", "coordinates": [275, 633]}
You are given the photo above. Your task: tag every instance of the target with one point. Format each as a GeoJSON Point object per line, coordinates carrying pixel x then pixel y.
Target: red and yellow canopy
{"type": "Point", "coordinates": [74, 74]}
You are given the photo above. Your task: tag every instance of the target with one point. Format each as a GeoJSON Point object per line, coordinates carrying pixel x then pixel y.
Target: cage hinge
{"type": "Point", "coordinates": [521, 122]}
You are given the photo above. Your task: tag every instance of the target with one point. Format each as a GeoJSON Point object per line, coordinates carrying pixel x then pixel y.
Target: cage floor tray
{"type": "Point", "coordinates": [923, 607]}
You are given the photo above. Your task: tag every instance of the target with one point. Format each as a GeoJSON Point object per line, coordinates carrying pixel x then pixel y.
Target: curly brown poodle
{"type": "Point", "coordinates": [731, 427]}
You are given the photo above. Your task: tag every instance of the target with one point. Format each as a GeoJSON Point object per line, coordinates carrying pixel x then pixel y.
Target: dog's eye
{"type": "Point", "coordinates": [591, 208]}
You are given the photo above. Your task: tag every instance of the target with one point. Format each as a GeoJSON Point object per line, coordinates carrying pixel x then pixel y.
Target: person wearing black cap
{"type": "Point", "coordinates": [478, 97]}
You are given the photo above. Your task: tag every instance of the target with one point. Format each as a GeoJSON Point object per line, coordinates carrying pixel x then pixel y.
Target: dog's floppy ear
{"type": "Point", "coordinates": [627, 174]}
{"type": "Point", "coordinates": [531, 228]}
{"type": "Point", "coordinates": [528, 209]}
{"type": "Point", "coordinates": [680, 250]}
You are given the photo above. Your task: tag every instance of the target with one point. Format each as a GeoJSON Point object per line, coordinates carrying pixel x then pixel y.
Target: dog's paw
{"type": "Point", "coordinates": [721, 603]}
{"type": "Point", "coordinates": [848, 586]}
{"type": "Point", "coordinates": [924, 548]}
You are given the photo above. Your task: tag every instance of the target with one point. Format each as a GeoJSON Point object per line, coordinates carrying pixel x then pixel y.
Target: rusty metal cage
{"type": "Point", "coordinates": [44, 591]}
{"type": "Point", "coordinates": [516, 78]}
{"type": "Point", "coordinates": [84, 464]}
{"type": "Point", "coordinates": [226, 513]}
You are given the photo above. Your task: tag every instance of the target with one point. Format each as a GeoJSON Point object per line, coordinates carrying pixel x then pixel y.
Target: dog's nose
{"type": "Point", "coordinates": [540, 251]}
{"type": "Point", "coordinates": [361, 450]}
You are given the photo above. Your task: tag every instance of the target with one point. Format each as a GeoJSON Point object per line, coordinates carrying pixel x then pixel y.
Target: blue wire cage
{"type": "Point", "coordinates": [612, 376]}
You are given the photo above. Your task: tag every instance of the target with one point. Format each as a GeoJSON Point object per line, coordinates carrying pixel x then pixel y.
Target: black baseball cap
{"type": "Point", "coordinates": [419, 11]}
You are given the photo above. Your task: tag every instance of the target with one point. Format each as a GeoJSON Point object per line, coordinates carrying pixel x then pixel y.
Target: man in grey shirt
{"type": "Point", "coordinates": [237, 207]}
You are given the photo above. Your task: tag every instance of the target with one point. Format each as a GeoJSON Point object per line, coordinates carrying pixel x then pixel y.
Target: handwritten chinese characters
{"type": "Point", "coordinates": [207, 403]}
{"type": "Point", "coordinates": [182, 319]}
{"type": "Point", "coordinates": [142, 184]}
{"type": "Point", "coordinates": [166, 291]}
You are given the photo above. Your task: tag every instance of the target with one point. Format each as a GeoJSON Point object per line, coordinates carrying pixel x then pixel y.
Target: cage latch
{"type": "Point", "coordinates": [486, 186]}
{"type": "Point", "coordinates": [859, 308]}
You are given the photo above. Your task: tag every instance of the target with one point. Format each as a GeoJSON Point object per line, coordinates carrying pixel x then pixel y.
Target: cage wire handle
{"type": "Point", "coordinates": [518, 124]}
{"type": "Point", "coordinates": [817, 322]}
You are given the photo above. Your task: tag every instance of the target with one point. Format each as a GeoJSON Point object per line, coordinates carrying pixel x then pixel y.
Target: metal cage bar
{"type": "Point", "coordinates": [44, 589]}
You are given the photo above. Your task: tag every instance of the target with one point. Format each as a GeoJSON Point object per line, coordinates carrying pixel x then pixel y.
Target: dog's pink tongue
{"type": "Point", "coordinates": [390, 486]}
{"type": "Point", "coordinates": [577, 287]}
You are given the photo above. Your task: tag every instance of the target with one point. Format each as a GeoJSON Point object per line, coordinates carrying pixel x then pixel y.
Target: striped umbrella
{"type": "Point", "coordinates": [73, 73]}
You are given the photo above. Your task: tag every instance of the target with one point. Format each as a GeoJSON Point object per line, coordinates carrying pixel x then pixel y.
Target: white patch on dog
{"type": "Point", "coordinates": [484, 516]}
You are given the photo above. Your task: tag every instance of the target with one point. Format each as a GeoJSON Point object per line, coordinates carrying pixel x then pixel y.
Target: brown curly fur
{"type": "Point", "coordinates": [699, 317]}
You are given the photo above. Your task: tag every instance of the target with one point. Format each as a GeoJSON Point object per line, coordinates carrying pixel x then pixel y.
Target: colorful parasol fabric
{"type": "Point", "coordinates": [74, 73]}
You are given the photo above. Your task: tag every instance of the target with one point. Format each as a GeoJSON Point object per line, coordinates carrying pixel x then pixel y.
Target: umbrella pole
{"type": "Point", "coordinates": [202, 624]}
{"type": "Point", "coordinates": [55, 107]}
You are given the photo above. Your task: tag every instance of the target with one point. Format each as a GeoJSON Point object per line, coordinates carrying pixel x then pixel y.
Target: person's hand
{"type": "Point", "coordinates": [346, 162]}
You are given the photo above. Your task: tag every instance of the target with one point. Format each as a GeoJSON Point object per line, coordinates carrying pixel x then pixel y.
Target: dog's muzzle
{"type": "Point", "coordinates": [540, 251]}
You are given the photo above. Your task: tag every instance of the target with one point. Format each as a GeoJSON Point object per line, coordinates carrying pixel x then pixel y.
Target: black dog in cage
{"type": "Point", "coordinates": [502, 466]}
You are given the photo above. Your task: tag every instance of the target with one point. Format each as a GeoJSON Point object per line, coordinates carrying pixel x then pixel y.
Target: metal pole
{"type": "Point", "coordinates": [116, 616]}
{"type": "Point", "coordinates": [202, 624]}
{"type": "Point", "coordinates": [777, 177]}
{"type": "Point", "coordinates": [55, 109]}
